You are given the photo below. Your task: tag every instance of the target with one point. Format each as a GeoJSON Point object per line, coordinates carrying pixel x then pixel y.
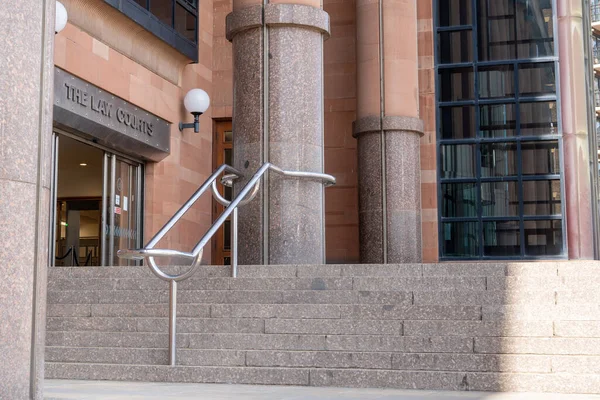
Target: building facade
{"type": "Point", "coordinates": [456, 130]}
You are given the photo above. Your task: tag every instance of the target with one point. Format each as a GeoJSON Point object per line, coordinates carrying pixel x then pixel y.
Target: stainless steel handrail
{"type": "Point", "coordinates": [246, 195]}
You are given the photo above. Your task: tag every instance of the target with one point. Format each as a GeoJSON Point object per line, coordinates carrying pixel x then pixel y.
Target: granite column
{"type": "Point", "coordinates": [388, 130]}
{"type": "Point", "coordinates": [278, 118]}
{"type": "Point", "coordinates": [578, 190]}
{"type": "Point", "coordinates": [26, 89]}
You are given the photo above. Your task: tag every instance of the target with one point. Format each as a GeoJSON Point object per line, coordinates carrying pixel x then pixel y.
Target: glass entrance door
{"type": "Point", "coordinates": [123, 208]}
{"type": "Point", "coordinates": [97, 204]}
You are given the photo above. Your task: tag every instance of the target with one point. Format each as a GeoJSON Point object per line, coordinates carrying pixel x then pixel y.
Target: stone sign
{"type": "Point", "coordinates": [107, 119]}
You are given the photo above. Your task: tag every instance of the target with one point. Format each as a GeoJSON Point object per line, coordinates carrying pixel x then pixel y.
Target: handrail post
{"type": "Point", "coordinates": [172, 322]}
{"type": "Point", "coordinates": [234, 243]}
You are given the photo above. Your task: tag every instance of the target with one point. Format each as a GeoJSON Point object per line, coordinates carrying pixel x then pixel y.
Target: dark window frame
{"type": "Point", "coordinates": [478, 140]}
{"type": "Point", "coordinates": [167, 33]}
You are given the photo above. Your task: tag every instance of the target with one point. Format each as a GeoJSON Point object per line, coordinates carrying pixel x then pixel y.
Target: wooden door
{"type": "Point", "coordinates": [222, 154]}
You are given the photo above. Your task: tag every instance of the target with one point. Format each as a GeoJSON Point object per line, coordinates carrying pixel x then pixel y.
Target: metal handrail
{"type": "Point", "coordinates": [246, 195]}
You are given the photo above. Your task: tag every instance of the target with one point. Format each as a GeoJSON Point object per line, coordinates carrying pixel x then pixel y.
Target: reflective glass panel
{"type": "Point", "coordinates": [499, 199]}
{"type": "Point", "coordinates": [497, 120]}
{"type": "Point", "coordinates": [460, 239]}
{"type": "Point", "coordinates": [498, 159]}
{"type": "Point", "coordinates": [455, 47]}
{"type": "Point", "coordinates": [537, 79]}
{"type": "Point", "coordinates": [542, 197]}
{"type": "Point", "coordinates": [496, 30]}
{"type": "Point", "coordinates": [185, 23]}
{"type": "Point", "coordinates": [163, 10]}
{"type": "Point", "coordinates": [458, 122]}
{"type": "Point", "coordinates": [535, 29]}
{"type": "Point", "coordinates": [501, 238]}
{"type": "Point", "coordinates": [459, 200]}
{"type": "Point", "coordinates": [456, 84]}
{"type": "Point", "coordinates": [458, 161]}
{"type": "Point", "coordinates": [540, 158]}
{"type": "Point", "coordinates": [543, 238]}
{"type": "Point", "coordinates": [497, 81]}
{"type": "Point", "coordinates": [455, 12]}
{"type": "Point", "coordinates": [539, 119]}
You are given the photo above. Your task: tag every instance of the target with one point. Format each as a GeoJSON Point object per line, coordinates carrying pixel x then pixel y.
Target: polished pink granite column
{"type": "Point", "coordinates": [26, 82]}
{"type": "Point", "coordinates": [388, 130]}
{"type": "Point", "coordinates": [577, 195]}
{"type": "Point", "coordinates": [278, 118]}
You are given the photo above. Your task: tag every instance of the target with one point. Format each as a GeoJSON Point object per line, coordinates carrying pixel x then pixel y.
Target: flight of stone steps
{"type": "Point", "coordinates": [451, 326]}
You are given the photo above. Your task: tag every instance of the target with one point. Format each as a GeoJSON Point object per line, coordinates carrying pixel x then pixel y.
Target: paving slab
{"type": "Point", "coordinates": [108, 390]}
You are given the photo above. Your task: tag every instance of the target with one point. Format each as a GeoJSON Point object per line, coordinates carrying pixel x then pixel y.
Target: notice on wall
{"type": "Point", "coordinates": [118, 210]}
{"type": "Point", "coordinates": [117, 200]}
{"type": "Point", "coordinates": [124, 203]}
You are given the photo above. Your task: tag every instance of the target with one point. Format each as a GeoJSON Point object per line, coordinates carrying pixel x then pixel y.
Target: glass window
{"type": "Point", "coordinates": [459, 200]}
{"type": "Point", "coordinates": [501, 238]}
{"type": "Point", "coordinates": [458, 161]}
{"type": "Point", "coordinates": [537, 79]}
{"type": "Point", "coordinates": [543, 238]}
{"type": "Point", "coordinates": [496, 81]}
{"type": "Point", "coordinates": [457, 84]}
{"type": "Point", "coordinates": [498, 130]}
{"type": "Point", "coordinates": [455, 12]}
{"type": "Point", "coordinates": [458, 122]}
{"type": "Point", "coordinates": [163, 10]}
{"type": "Point", "coordinates": [499, 199]}
{"type": "Point", "coordinates": [185, 23]}
{"type": "Point", "coordinates": [541, 197]}
{"type": "Point", "coordinates": [497, 120]}
{"type": "Point", "coordinates": [498, 159]}
{"type": "Point", "coordinates": [539, 118]}
{"type": "Point", "coordinates": [540, 158]}
{"type": "Point", "coordinates": [455, 47]}
{"type": "Point", "coordinates": [496, 34]}
{"type": "Point", "coordinates": [535, 28]}
{"type": "Point", "coordinates": [460, 239]}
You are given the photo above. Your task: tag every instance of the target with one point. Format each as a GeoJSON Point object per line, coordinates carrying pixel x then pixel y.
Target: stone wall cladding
{"type": "Point", "coordinates": [457, 326]}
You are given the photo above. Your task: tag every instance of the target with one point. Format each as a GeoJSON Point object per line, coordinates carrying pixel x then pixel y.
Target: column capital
{"type": "Point", "coordinates": [373, 123]}
{"type": "Point", "coordinates": [277, 14]}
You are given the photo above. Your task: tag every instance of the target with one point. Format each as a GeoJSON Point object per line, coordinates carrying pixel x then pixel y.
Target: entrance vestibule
{"type": "Point", "coordinates": [97, 204]}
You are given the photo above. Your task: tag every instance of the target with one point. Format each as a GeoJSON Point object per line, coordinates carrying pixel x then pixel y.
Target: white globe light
{"type": "Point", "coordinates": [61, 17]}
{"type": "Point", "coordinates": [196, 101]}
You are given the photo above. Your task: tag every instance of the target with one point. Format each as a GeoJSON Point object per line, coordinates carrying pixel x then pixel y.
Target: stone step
{"type": "Point", "coordinates": [438, 297]}
{"type": "Point", "coordinates": [253, 341]}
{"type": "Point", "coordinates": [144, 356]}
{"type": "Point", "coordinates": [329, 359]}
{"type": "Point", "coordinates": [455, 269]}
{"type": "Point", "coordinates": [403, 379]}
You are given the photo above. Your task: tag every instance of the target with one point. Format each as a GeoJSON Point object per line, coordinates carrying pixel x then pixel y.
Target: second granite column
{"type": "Point", "coordinates": [278, 118]}
{"type": "Point", "coordinates": [388, 130]}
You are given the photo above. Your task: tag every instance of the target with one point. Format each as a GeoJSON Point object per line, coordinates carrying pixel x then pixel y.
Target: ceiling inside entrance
{"type": "Point", "coordinates": [74, 179]}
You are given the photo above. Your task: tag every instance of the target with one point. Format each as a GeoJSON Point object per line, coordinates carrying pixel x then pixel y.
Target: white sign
{"type": "Point", "coordinates": [117, 200]}
{"type": "Point", "coordinates": [124, 203]}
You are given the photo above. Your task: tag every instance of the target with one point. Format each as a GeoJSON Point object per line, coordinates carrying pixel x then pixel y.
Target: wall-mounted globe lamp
{"type": "Point", "coordinates": [196, 102]}
{"type": "Point", "coordinates": [61, 17]}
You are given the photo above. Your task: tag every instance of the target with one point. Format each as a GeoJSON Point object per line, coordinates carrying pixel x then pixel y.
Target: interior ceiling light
{"type": "Point", "coordinates": [83, 164]}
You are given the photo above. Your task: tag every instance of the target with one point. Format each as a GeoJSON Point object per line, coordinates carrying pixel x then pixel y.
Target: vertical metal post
{"type": "Point", "coordinates": [53, 202]}
{"type": "Point", "coordinates": [234, 243]}
{"type": "Point", "coordinates": [172, 323]}
{"type": "Point", "coordinates": [104, 222]}
{"type": "Point", "coordinates": [111, 210]}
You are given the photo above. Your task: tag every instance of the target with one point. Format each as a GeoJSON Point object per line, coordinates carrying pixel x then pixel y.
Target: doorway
{"type": "Point", "coordinates": [97, 204]}
{"type": "Point", "coordinates": [222, 154]}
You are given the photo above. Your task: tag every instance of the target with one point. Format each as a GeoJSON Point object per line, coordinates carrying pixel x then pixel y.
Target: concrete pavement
{"type": "Point", "coordinates": [107, 390]}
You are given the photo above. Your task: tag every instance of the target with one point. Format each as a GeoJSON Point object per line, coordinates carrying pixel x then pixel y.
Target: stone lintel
{"type": "Point", "coordinates": [298, 15]}
{"type": "Point", "coordinates": [374, 123]}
